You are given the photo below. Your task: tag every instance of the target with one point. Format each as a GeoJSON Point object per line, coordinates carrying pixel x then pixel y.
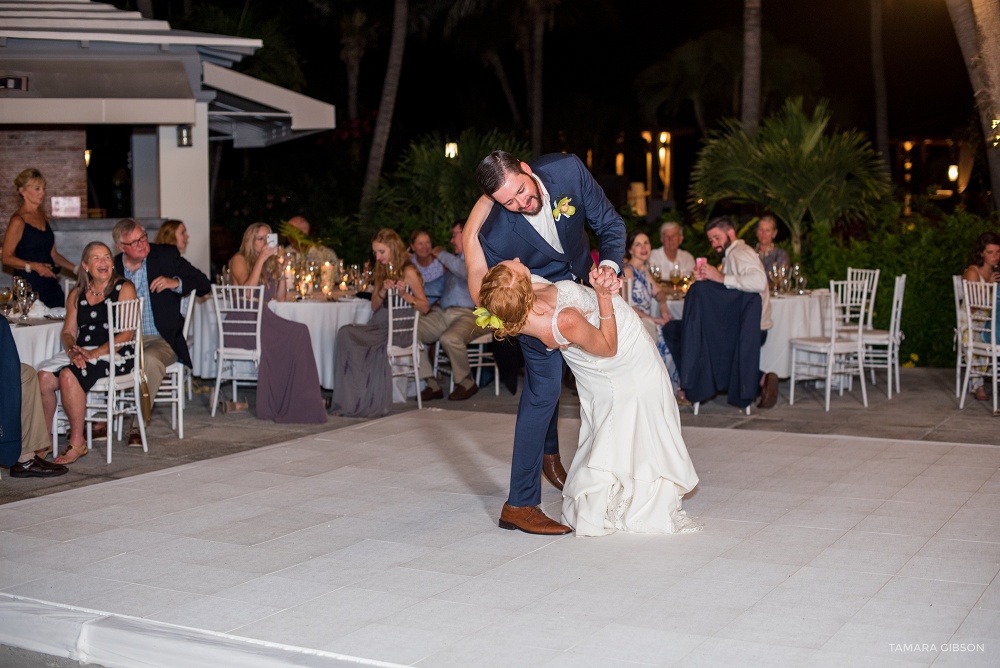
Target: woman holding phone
{"type": "Point", "coordinates": [288, 388]}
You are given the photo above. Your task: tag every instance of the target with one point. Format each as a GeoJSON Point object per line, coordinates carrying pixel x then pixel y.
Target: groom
{"type": "Point", "coordinates": [541, 217]}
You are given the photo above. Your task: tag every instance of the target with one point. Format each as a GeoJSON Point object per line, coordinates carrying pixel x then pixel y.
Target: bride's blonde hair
{"type": "Point", "coordinates": [508, 296]}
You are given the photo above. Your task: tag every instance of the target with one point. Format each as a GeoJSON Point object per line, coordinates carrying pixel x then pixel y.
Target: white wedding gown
{"type": "Point", "coordinates": [631, 466]}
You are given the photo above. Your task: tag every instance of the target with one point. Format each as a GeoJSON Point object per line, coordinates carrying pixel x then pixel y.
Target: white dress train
{"type": "Point", "coordinates": [631, 466]}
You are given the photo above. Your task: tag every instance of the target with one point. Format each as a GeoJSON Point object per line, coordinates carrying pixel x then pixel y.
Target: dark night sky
{"type": "Point", "coordinates": [928, 85]}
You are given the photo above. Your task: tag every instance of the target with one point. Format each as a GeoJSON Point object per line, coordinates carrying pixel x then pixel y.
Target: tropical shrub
{"type": "Point", "coordinates": [928, 250]}
{"type": "Point", "coordinates": [792, 167]}
{"type": "Point", "coordinates": [430, 191]}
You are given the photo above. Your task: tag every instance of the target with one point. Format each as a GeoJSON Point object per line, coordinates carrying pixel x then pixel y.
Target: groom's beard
{"type": "Point", "coordinates": [534, 204]}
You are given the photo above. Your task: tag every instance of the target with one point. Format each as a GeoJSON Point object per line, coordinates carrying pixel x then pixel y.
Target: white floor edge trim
{"type": "Point", "coordinates": [118, 641]}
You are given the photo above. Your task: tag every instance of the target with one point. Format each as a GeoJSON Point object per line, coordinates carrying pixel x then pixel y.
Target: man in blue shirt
{"type": "Point", "coordinates": [452, 322]}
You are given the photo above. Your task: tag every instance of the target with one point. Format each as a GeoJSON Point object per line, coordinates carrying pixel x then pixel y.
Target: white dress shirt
{"type": "Point", "coordinates": [684, 260]}
{"type": "Point", "coordinates": [744, 271]}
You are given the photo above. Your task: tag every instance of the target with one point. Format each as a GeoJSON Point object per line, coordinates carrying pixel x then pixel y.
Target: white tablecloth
{"type": "Point", "coordinates": [37, 342]}
{"type": "Point", "coordinates": [794, 316]}
{"type": "Point", "coordinates": [322, 318]}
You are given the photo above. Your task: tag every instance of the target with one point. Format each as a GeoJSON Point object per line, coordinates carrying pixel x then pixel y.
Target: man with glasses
{"type": "Point", "coordinates": [161, 277]}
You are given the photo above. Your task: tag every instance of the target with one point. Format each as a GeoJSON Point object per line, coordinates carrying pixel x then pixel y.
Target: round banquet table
{"type": "Point", "coordinates": [323, 319]}
{"type": "Point", "coordinates": [793, 316]}
{"type": "Point", "coordinates": [38, 340]}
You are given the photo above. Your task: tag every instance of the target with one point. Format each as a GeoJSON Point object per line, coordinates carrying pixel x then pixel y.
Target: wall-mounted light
{"type": "Point", "coordinates": [86, 158]}
{"type": "Point", "coordinates": [184, 137]}
{"type": "Point", "coordinates": [953, 173]}
{"type": "Point", "coordinates": [451, 149]}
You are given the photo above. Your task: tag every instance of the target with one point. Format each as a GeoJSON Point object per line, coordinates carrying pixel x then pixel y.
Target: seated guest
{"type": "Point", "coordinates": [308, 250]}
{"type": "Point", "coordinates": [87, 343]}
{"type": "Point", "coordinates": [29, 245]}
{"type": "Point", "coordinates": [161, 278]}
{"type": "Point", "coordinates": [362, 378]}
{"type": "Point", "coordinates": [646, 291]}
{"type": "Point", "coordinates": [288, 388]}
{"type": "Point", "coordinates": [670, 254]}
{"type": "Point", "coordinates": [431, 269]}
{"type": "Point", "coordinates": [173, 233]}
{"type": "Point", "coordinates": [24, 436]}
{"type": "Point", "coordinates": [452, 322]}
{"type": "Point", "coordinates": [770, 255]}
{"type": "Point", "coordinates": [36, 442]}
{"type": "Point", "coordinates": [984, 267]}
{"type": "Point", "coordinates": [741, 271]}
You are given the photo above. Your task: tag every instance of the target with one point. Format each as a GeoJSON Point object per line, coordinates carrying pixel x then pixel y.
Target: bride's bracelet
{"type": "Point", "coordinates": [606, 317]}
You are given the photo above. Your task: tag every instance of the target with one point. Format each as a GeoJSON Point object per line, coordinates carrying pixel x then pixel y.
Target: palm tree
{"type": "Point", "coordinates": [532, 18]}
{"type": "Point", "coordinates": [387, 105]}
{"type": "Point", "coordinates": [791, 167]}
{"type": "Point", "coordinates": [878, 75]}
{"type": "Point", "coordinates": [982, 59]}
{"type": "Point", "coordinates": [707, 74]}
{"type": "Point", "coordinates": [751, 65]}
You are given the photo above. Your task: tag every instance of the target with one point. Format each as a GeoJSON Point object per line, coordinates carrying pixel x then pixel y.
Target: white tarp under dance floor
{"type": "Point", "coordinates": [378, 545]}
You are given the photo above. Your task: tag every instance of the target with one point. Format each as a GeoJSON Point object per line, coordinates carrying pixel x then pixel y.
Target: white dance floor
{"type": "Point", "coordinates": [378, 545]}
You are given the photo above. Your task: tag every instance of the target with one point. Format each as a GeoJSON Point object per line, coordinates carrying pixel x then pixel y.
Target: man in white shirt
{"type": "Point", "coordinates": [741, 270]}
{"type": "Point", "coordinates": [671, 236]}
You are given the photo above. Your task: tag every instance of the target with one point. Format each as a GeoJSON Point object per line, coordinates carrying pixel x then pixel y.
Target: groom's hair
{"type": "Point", "coordinates": [493, 170]}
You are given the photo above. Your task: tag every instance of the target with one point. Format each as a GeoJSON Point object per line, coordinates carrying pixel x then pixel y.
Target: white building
{"type": "Point", "coordinates": [69, 64]}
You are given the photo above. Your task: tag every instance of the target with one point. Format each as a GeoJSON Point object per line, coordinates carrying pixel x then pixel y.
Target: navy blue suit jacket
{"type": "Point", "coordinates": [506, 235]}
{"type": "Point", "coordinates": [166, 260]}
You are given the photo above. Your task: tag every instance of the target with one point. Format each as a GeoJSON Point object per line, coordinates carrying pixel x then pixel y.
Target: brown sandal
{"type": "Point", "coordinates": [67, 458]}
{"type": "Point", "coordinates": [44, 452]}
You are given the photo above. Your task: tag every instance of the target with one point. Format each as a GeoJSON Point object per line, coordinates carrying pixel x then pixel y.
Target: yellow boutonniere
{"type": "Point", "coordinates": [563, 208]}
{"type": "Point", "coordinates": [486, 319]}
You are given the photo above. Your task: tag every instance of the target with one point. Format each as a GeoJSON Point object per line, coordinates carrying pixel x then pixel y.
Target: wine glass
{"type": "Point", "coordinates": [654, 269]}
{"type": "Point", "coordinates": [774, 277]}
{"type": "Point", "coordinates": [23, 304]}
{"type": "Point", "coordinates": [800, 281]}
{"type": "Point", "coordinates": [675, 277]}
{"type": "Point", "coordinates": [6, 294]}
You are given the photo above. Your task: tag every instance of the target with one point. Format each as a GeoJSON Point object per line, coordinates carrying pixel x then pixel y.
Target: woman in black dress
{"type": "Point", "coordinates": [86, 341]}
{"type": "Point", "coordinates": [29, 245]}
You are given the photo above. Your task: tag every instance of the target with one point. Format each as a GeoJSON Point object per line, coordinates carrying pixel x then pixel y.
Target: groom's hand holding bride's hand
{"type": "Point", "coordinates": [605, 281]}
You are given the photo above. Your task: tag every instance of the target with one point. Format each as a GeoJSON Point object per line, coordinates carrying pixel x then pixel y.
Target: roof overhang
{"type": "Point", "coordinates": [254, 113]}
{"type": "Point", "coordinates": [83, 91]}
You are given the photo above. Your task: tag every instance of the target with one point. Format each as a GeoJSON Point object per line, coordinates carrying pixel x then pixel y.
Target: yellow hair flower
{"type": "Point", "coordinates": [486, 319]}
{"type": "Point", "coordinates": [563, 208]}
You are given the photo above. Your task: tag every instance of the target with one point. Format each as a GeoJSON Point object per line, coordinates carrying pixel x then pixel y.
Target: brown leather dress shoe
{"type": "Point", "coordinates": [427, 394]}
{"type": "Point", "coordinates": [134, 438]}
{"type": "Point", "coordinates": [461, 393]}
{"type": "Point", "coordinates": [530, 519]}
{"type": "Point", "coordinates": [769, 391]}
{"type": "Point", "coordinates": [99, 430]}
{"type": "Point", "coordinates": [553, 471]}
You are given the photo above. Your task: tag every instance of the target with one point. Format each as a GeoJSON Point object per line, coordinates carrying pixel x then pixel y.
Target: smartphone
{"type": "Point", "coordinates": [699, 262]}
{"type": "Point", "coordinates": [272, 240]}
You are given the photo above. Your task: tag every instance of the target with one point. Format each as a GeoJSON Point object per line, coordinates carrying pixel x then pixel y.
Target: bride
{"type": "Point", "coordinates": [631, 465]}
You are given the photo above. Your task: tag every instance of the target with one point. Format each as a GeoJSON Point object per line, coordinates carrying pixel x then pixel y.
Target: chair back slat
{"type": "Point", "coordinates": [238, 310]}
{"type": "Point", "coordinates": [402, 320]}
{"type": "Point", "coordinates": [848, 301]}
{"type": "Point", "coordinates": [896, 317]}
{"type": "Point", "coordinates": [626, 290]}
{"type": "Point", "coordinates": [870, 277]}
{"type": "Point", "coordinates": [187, 309]}
{"type": "Point", "coordinates": [980, 312]}
{"type": "Point", "coordinates": [123, 316]}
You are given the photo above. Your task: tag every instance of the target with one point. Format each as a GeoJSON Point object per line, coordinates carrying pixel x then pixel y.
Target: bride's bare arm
{"type": "Point", "coordinates": [475, 259]}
